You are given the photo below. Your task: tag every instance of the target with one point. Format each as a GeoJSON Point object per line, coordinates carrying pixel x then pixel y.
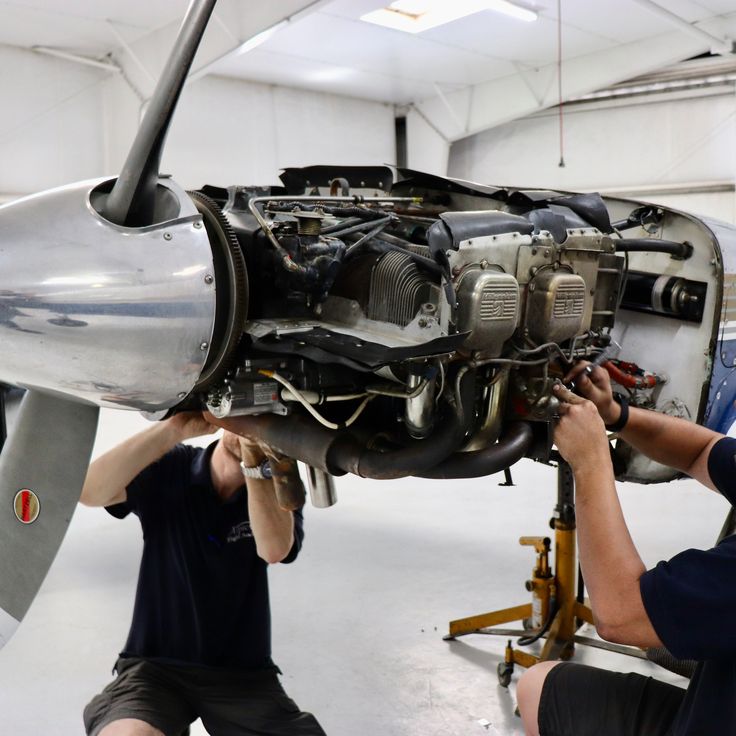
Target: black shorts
{"type": "Point", "coordinates": [169, 697]}
{"type": "Point", "coordinates": [578, 700]}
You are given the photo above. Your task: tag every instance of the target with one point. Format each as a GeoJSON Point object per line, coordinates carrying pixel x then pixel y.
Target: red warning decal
{"type": "Point", "coordinates": [26, 506]}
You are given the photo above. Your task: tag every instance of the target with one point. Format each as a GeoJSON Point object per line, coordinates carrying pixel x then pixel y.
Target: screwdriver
{"type": "Point", "coordinates": [608, 353]}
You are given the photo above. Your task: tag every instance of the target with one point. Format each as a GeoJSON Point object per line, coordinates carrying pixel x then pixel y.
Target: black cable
{"type": "Point", "coordinates": [3, 417]}
{"type": "Point", "coordinates": [376, 225]}
{"type": "Point", "coordinates": [340, 225]}
{"type": "Point", "coordinates": [525, 641]}
{"type": "Point", "coordinates": [378, 245]}
{"type": "Point", "coordinates": [650, 245]}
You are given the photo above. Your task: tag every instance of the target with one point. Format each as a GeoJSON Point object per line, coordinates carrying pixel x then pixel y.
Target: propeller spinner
{"type": "Point", "coordinates": [114, 305]}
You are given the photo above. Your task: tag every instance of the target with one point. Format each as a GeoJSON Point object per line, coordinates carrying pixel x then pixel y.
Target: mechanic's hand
{"type": "Point", "coordinates": [253, 450]}
{"type": "Point", "coordinates": [580, 435]}
{"type": "Point", "coordinates": [595, 387]}
{"type": "Point", "coordinates": [190, 424]}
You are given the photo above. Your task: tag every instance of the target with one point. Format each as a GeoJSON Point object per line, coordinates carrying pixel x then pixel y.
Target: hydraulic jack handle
{"type": "Point", "coordinates": [541, 546]}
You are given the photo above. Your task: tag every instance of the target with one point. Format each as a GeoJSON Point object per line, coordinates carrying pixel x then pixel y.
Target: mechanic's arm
{"type": "Point", "coordinates": [668, 440]}
{"type": "Point", "coordinates": [272, 526]}
{"type": "Point", "coordinates": [110, 474]}
{"type": "Point", "coordinates": [610, 562]}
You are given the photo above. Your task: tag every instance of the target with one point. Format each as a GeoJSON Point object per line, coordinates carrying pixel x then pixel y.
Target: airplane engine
{"type": "Point", "coordinates": [369, 322]}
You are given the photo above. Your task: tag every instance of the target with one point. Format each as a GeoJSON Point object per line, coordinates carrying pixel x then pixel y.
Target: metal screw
{"type": "Point", "coordinates": [484, 264]}
{"type": "Point", "coordinates": [168, 236]}
{"type": "Point", "coordinates": [204, 345]}
{"type": "Point", "coordinates": [534, 251]}
{"type": "Point", "coordinates": [422, 323]}
{"type": "Point", "coordinates": [197, 224]}
{"type": "Point", "coordinates": [546, 252]}
{"type": "Point", "coordinates": [208, 279]}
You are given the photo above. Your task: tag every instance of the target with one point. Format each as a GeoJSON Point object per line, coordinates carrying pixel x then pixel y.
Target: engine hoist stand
{"type": "Point", "coordinates": [556, 611]}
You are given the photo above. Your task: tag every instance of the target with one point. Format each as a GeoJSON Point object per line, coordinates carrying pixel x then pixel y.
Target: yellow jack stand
{"type": "Point", "coordinates": [551, 594]}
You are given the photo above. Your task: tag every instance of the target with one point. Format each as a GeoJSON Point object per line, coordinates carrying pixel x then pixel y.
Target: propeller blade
{"type": "Point", "coordinates": [131, 201]}
{"type": "Point", "coordinates": [42, 469]}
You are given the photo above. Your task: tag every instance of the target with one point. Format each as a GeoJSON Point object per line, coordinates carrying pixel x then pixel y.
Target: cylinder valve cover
{"type": "Point", "coordinates": [488, 308]}
{"type": "Point", "coordinates": [555, 306]}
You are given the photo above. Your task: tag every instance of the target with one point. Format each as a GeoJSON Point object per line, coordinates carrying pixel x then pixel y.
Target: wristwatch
{"type": "Point", "coordinates": [262, 471]}
{"type": "Point", "coordinates": [623, 418]}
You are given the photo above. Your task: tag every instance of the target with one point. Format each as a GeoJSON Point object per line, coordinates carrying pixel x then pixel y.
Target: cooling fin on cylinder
{"type": "Point", "coordinates": [398, 289]}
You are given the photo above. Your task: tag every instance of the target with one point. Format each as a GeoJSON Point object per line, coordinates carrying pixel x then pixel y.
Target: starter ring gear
{"type": "Point", "coordinates": [231, 282]}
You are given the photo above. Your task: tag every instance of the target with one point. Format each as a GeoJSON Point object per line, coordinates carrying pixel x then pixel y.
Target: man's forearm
{"type": "Point", "coordinates": [109, 475]}
{"type": "Point", "coordinates": [678, 443]}
{"type": "Point", "coordinates": [272, 526]}
{"type": "Point", "coordinates": [609, 560]}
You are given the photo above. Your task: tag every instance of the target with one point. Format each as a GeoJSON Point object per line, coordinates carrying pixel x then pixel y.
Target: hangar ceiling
{"type": "Point", "coordinates": [463, 77]}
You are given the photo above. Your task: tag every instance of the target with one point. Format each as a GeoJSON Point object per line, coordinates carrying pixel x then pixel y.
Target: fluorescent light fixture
{"type": "Point", "coordinates": [415, 16]}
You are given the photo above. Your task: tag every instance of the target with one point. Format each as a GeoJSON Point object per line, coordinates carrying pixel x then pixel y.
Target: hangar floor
{"type": "Point", "coordinates": [359, 619]}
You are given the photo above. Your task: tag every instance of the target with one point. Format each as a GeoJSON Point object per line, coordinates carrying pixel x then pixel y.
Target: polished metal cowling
{"type": "Point", "coordinates": [112, 315]}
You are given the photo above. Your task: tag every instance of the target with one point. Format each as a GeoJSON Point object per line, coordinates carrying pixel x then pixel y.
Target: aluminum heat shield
{"type": "Point", "coordinates": [116, 316]}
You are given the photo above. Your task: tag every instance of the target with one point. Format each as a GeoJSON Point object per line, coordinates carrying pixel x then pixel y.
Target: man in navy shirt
{"type": "Point", "coordinates": [200, 642]}
{"type": "Point", "coordinates": [686, 604]}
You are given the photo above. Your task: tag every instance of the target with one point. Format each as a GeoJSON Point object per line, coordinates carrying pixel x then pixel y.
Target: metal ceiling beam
{"type": "Point", "coordinates": [77, 58]}
{"type": "Point", "coordinates": [240, 46]}
{"type": "Point", "coordinates": [503, 100]}
{"type": "Point", "coordinates": [236, 22]}
{"type": "Point", "coordinates": [718, 45]}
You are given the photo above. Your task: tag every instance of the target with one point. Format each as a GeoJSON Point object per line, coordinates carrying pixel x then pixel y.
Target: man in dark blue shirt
{"type": "Point", "coordinates": [686, 604]}
{"type": "Point", "coordinates": [200, 642]}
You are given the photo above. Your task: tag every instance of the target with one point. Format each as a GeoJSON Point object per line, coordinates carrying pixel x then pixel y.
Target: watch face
{"type": "Point", "coordinates": [266, 471]}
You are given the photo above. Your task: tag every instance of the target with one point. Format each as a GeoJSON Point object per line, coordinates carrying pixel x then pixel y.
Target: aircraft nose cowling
{"type": "Point", "coordinates": [117, 316]}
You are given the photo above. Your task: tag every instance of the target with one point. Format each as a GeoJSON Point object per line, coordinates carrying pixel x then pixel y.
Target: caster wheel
{"type": "Point", "coordinates": [505, 671]}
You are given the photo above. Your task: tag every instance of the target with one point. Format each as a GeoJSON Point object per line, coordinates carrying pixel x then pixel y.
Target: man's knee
{"type": "Point", "coordinates": [528, 693]}
{"type": "Point", "coordinates": [129, 727]}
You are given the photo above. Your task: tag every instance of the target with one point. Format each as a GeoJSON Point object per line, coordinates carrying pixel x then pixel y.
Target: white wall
{"type": "Point", "coordinates": [62, 122]}
{"type": "Point", "coordinates": [637, 145]}
{"type": "Point", "coordinates": [234, 132]}
{"type": "Point", "coordinates": [426, 149]}
{"type": "Point", "coordinates": [50, 115]}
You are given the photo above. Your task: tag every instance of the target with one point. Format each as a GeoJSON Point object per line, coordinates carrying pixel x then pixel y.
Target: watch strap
{"type": "Point", "coordinates": [262, 471]}
{"type": "Point", "coordinates": [623, 417]}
